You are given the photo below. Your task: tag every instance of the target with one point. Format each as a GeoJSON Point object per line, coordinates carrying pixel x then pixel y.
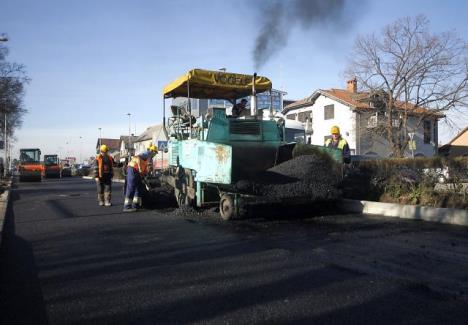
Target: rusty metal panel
{"type": "Point", "coordinates": [212, 162]}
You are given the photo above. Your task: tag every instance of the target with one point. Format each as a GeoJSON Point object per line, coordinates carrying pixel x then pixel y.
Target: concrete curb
{"type": "Point", "coordinates": [114, 180]}
{"type": "Point", "coordinates": [417, 212]}
{"type": "Point", "coordinates": [4, 205]}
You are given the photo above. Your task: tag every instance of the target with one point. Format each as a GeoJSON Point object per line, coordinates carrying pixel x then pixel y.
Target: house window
{"type": "Point", "coordinates": [291, 116]}
{"type": "Point", "coordinates": [396, 123]}
{"type": "Point", "coordinates": [372, 122]}
{"type": "Point", "coordinates": [329, 112]}
{"type": "Point", "coordinates": [427, 132]}
{"type": "Point", "coordinates": [302, 117]}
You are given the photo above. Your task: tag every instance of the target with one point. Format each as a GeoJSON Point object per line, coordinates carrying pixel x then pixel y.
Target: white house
{"type": "Point", "coordinates": [458, 146]}
{"type": "Point", "coordinates": [357, 116]}
{"type": "Point", "coordinates": [126, 145]}
{"type": "Point", "coordinates": [153, 135]}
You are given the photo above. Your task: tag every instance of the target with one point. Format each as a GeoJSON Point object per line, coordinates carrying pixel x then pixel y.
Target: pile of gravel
{"type": "Point", "coordinates": [308, 177]}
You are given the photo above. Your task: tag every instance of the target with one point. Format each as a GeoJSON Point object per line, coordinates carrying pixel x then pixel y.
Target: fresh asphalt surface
{"type": "Point", "coordinates": [66, 260]}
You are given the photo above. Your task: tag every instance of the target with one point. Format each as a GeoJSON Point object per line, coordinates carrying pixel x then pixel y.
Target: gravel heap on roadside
{"type": "Point", "coordinates": [309, 177]}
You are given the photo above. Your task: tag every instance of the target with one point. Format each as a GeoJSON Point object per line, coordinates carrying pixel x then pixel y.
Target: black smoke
{"type": "Point", "coordinates": [279, 18]}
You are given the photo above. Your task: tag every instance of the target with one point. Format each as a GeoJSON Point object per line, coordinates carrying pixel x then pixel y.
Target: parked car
{"type": "Point", "coordinates": [83, 170]}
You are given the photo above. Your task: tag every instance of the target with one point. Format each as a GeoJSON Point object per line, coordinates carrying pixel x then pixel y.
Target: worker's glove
{"type": "Point", "coordinates": [97, 179]}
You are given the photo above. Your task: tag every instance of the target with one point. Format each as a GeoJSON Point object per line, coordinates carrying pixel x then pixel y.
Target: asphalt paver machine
{"type": "Point", "coordinates": [211, 155]}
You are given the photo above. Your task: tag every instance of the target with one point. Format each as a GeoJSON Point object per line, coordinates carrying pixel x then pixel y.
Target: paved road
{"type": "Point", "coordinates": [66, 260]}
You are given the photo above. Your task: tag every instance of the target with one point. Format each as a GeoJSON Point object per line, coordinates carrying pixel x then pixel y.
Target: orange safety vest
{"type": "Point", "coordinates": [104, 168]}
{"type": "Point", "coordinates": [140, 165]}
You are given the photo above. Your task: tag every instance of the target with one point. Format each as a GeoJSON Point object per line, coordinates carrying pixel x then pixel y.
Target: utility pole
{"type": "Point", "coordinates": [5, 145]}
{"type": "Point", "coordinates": [4, 38]}
{"type": "Point", "coordinates": [100, 137]}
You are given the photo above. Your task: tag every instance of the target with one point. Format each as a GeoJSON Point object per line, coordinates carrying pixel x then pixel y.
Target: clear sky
{"type": "Point", "coordinates": [93, 61]}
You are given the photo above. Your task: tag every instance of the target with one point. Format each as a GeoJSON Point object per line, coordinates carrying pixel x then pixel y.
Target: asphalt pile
{"type": "Point", "coordinates": [309, 177]}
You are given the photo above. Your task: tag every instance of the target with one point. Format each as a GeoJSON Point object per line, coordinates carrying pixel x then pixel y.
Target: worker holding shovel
{"type": "Point", "coordinates": [137, 168]}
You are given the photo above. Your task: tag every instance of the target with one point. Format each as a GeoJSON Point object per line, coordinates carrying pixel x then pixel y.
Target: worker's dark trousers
{"type": "Point", "coordinates": [104, 188]}
{"type": "Point", "coordinates": [132, 193]}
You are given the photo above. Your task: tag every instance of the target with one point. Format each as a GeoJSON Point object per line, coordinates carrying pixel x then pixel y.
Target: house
{"type": "Point", "coordinates": [458, 146]}
{"type": "Point", "coordinates": [112, 144]}
{"type": "Point", "coordinates": [359, 115]}
{"type": "Point", "coordinates": [127, 145]}
{"type": "Point", "coordinates": [153, 135]}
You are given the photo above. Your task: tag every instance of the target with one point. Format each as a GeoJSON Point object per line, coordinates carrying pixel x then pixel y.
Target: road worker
{"type": "Point", "coordinates": [337, 142]}
{"type": "Point", "coordinates": [137, 168]}
{"type": "Point", "coordinates": [239, 109]}
{"type": "Point", "coordinates": [103, 173]}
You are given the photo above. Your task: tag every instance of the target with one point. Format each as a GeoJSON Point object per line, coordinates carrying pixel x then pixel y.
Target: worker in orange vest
{"type": "Point", "coordinates": [103, 173]}
{"type": "Point", "coordinates": [137, 168]}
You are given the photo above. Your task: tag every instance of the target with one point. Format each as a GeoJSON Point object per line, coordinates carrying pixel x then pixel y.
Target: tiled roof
{"type": "Point", "coordinates": [458, 135]}
{"type": "Point", "coordinates": [347, 97]}
{"type": "Point", "coordinates": [297, 104]}
{"type": "Point", "coordinates": [149, 132]}
{"type": "Point", "coordinates": [112, 144]}
{"type": "Point", "coordinates": [354, 100]}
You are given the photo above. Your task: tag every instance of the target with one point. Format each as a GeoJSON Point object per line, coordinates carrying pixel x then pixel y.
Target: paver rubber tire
{"type": "Point", "coordinates": [182, 199]}
{"type": "Point", "coordinates": [227, 209]}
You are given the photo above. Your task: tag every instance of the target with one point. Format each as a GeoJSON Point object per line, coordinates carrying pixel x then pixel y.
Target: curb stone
{"type": "Point", "coordinates": [417, 212]}
{"type": "Point", "coordinates": [4, 197]}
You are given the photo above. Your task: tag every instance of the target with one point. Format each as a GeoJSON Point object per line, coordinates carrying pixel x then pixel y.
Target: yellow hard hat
{"type": "Point", "coordinates": [335, 130]}
{"type": "Point", "coordinates": [103, 148]}
{"type": "Point", "coordinates": [153, 148]}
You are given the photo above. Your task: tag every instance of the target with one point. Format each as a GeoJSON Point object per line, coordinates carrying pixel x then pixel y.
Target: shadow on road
{"type": "Point", "coordinates": [21, 296]}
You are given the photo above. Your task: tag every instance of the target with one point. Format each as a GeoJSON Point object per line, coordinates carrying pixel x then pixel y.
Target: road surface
{"type": "Point", "coordinates": [66, 260]}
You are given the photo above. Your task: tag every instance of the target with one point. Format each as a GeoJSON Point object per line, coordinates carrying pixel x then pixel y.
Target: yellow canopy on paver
{"type": "Point", "coordinates": [198, 83]}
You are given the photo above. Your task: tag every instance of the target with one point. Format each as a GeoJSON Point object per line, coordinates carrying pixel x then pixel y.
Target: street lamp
{"type": "Point", "coordinates": [4, 38]}
{"type": "Point", "coordinates": [129, 135]}
{"type": "Point", "coordinates": [81, 143]}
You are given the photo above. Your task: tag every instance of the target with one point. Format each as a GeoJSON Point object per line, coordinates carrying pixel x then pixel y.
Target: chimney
{"type": "Point", "coordinates": [352, 85]}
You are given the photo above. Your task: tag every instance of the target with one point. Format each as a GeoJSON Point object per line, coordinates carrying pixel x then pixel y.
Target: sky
{"type": "Point", "coordinates": [93, 61]}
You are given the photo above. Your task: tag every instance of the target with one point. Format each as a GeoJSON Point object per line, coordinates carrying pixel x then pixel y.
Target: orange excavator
{"type": "Point", "coordinates": [30, 167]}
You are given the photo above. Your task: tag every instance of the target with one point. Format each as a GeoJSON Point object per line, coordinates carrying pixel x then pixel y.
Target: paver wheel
{"type": "Point", "coordinates": [227, 209]}
{"type": "Point", "coordinates": [182, 199]}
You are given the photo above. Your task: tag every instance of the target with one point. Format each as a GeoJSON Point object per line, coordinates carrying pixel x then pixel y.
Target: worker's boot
{"type": "Point", "coordinates": [100, 198]}
{"type": "Point", "coordinates": [107, 199]}
{"type": "Point", "coordinates": [128, 205]}
{"type": "Point", "coordinates": [136, 204]}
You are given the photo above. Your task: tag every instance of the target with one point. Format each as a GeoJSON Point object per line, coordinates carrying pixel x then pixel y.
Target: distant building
{"type": "Point", "coordinates": [458, 146]}
{"type": "Point", "coordinates": [356, 115]}
{"type": "Point", "coordinates": [153, 135]}
{"type": "Point", "coordinates": [127, 145]}
{"type": "Point", "coordinates": [112, 144]}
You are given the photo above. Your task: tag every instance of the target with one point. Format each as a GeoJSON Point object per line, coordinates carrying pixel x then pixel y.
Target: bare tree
{"type": "Point", "coordinates": [12, 81]}
{"type": "Point", "coordinates": [419, 74]}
